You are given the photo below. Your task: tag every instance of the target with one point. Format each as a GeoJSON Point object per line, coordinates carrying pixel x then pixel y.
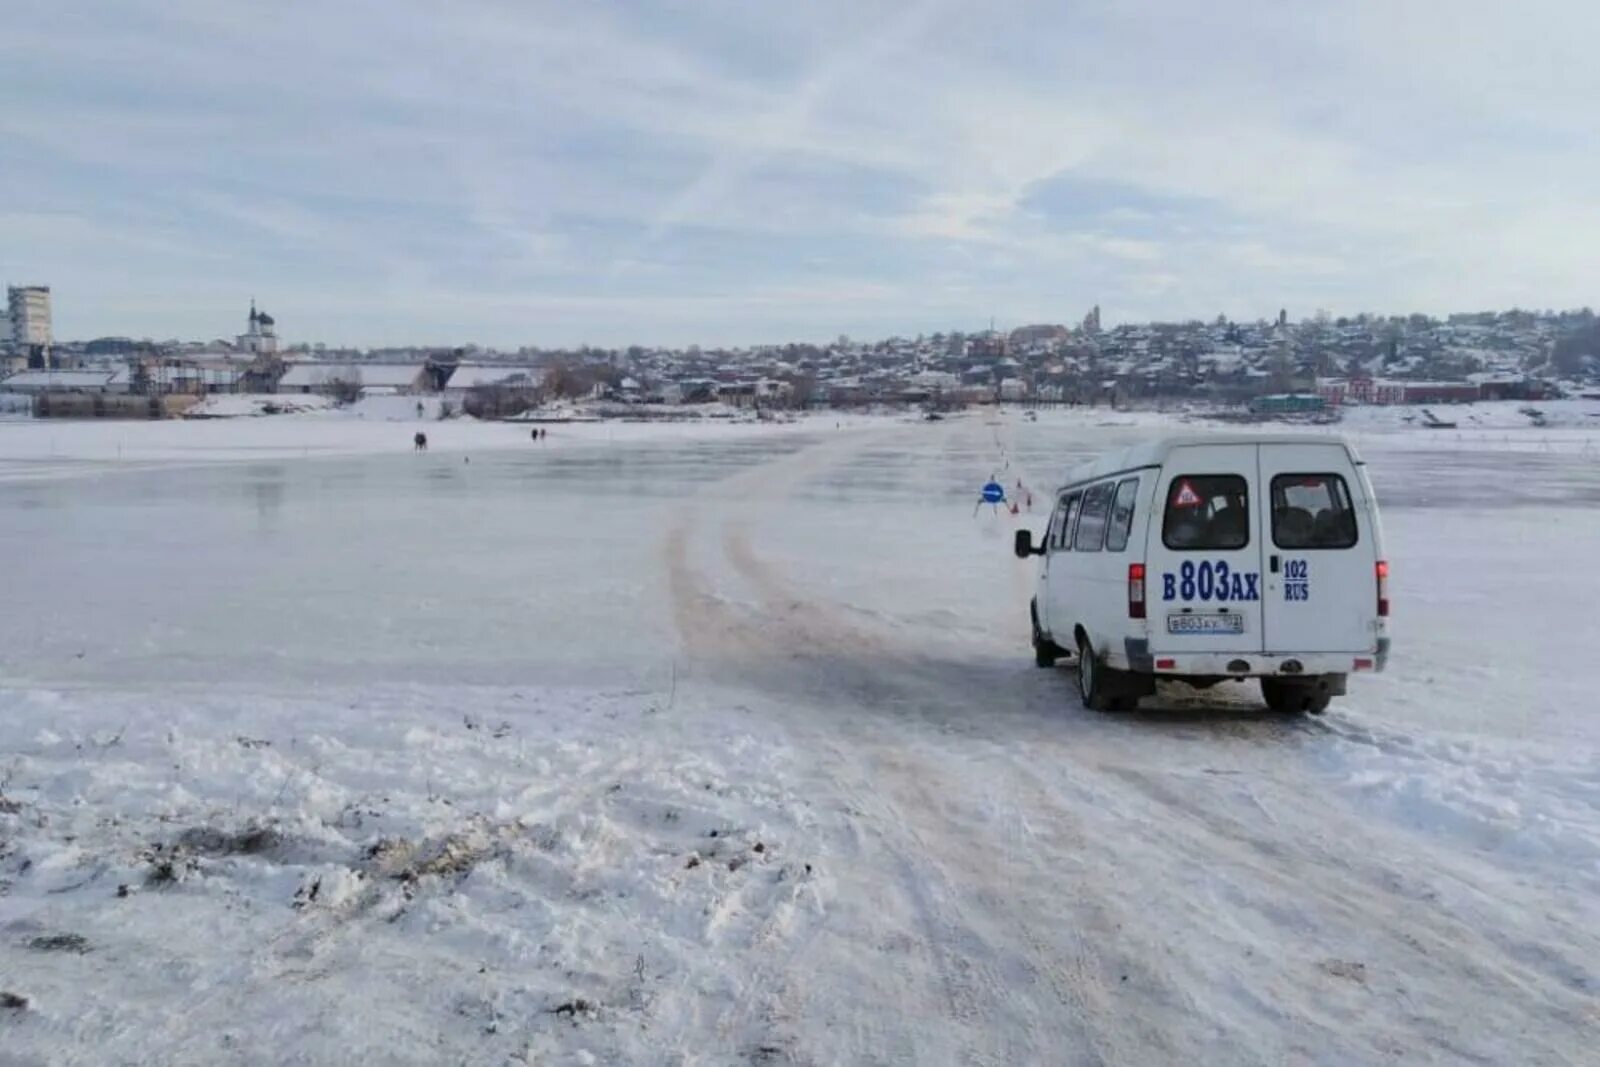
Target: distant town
{"type": "Point", "coordinates": [1300, 366]}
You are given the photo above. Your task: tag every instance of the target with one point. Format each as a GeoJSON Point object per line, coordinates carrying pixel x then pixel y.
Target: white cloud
{"type": "Point", "coordinates": [524, 165]}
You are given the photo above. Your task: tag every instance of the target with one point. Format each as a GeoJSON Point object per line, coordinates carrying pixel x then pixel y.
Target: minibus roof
{"type": "Point", "coordinates": [1153, 452]}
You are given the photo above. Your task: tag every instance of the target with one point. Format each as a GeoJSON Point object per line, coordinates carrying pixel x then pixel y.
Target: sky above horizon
{"type": "Point", "coordinates": [725, 172]}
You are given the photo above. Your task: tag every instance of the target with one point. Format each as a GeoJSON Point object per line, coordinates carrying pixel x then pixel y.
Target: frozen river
{"type": "Point", "coordinates": [548, 564]}
{"type": "Point", "coordinates": [507, 566]}
{"type": "Point", "coordinates": [596, 660]}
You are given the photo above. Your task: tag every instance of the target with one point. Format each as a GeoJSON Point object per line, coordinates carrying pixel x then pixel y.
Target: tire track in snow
{"type": "Point", "coordinates": [715, 634]}
{"type": "Point", "coordinates": [871, 666]}
{"type": "Point", "coordinates": [1352, 887]}
{"type": "Point", "coordinates": [733, 644]}
{"type": "Point", "coordinates": [906, 799]}
{"type": "Point", "coordinates": [937, 874]}
{"type": "Point", "coordinates": [1357, 900]}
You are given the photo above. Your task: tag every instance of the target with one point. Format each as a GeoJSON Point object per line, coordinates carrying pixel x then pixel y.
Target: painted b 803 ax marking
{"type": "Point", "coordinates": [1210, 581]}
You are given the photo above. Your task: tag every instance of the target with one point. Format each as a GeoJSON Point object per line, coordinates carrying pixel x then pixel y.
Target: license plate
{"type": "Point", "coordinates": [1222, 623]}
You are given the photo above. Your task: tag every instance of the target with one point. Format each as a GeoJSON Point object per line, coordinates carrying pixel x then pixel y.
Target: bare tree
{"type": "Point", "coordinates": [344, 389]}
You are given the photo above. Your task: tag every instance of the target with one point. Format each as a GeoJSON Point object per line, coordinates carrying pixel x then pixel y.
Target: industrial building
{"type": "Point", "coordinates": [27, 323]}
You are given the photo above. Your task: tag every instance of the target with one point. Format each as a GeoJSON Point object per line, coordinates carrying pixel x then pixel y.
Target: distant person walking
{"type": "Point", "coordinates": [419, 442]}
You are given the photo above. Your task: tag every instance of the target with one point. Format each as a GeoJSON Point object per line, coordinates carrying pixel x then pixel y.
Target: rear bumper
{"type": "Point", "coordinates": [1136, 655]}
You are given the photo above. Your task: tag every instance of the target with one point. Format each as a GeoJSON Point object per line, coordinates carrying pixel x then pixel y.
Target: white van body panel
{"type": "Point", "coordinates": [1197, 582]}
{"type": "Point", "coordinates": [1098, 581]}
{"type": "Point", "coordinates": [1298, 598]}
{"type": "Point", "coordinates": [1319, 599]}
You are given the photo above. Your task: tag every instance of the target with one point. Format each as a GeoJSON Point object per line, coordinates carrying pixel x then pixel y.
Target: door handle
{"type": "Point", "coordinates": [1272, 563]}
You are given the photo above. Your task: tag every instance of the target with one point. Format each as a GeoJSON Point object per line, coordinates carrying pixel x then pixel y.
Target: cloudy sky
{"type": "Point", "coordinates": [724, 172]}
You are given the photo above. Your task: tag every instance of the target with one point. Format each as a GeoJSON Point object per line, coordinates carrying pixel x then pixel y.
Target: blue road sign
{"type": "Point", "coordinates": [993, 493]}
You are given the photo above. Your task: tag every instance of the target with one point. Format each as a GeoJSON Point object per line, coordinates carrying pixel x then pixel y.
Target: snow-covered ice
{"type": "Point", "coordinates": [722, 744]}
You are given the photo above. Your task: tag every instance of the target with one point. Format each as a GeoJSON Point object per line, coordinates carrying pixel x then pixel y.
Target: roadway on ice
{"type": "Point", "coordinates": [727, 747]}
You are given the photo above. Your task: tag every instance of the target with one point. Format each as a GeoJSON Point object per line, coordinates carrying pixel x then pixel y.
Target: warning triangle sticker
{"type": "Point", "coordinates": [1186, 497]}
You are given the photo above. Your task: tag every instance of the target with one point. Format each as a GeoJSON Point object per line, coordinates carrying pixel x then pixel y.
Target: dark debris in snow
{"type": "Point", "coordinates": [574, 1008]}
{"type": "Point", "coordinates": [75, 943]}
{"type": "Point", "coordinates": [250, 841]}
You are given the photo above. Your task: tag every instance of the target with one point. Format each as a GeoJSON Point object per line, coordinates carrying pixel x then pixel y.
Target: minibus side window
{"type": "Point", "coordinates": [1053, 531]}
{"type": "Point", "coordinates": [1206, 512]}
{"type": "Point", "coordinates": [1312, 511]}
{"type": "Point", "coordinates": [1063, 539]}
{"type": "Point", "coordinates": [1092, 522]}
{"type": "Point", "coordinates": [1122, 515]}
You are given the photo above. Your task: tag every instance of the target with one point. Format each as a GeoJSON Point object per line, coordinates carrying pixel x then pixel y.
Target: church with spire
{"type": "Point", "coordinates": [261, 337]}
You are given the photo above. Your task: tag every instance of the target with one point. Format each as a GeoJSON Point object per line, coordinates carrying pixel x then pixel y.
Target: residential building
{"type": "Point", "coordinates": [761, 391]}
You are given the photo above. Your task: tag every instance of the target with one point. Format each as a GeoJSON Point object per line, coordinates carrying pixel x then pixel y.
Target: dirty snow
{"type": "Point", "coordinates": [722, 745]}
{"type": "Point", "coordinates": [256, 405]}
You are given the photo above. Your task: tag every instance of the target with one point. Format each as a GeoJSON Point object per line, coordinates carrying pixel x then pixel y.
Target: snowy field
{"type": "Point", "coordinates": [723, 744]}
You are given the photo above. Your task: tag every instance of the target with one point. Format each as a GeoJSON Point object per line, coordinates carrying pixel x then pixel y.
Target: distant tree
{"type": "Point", "coordinates": [801, 388]}
{"type": "Point", "coordinates": [1280, 371]}
{"type": "Point", "coordinates": [345, 386]}
{"type": "Point", "coordinates": [1574, 351]}
{"type": "Point", "coordinates": [500, 401]}
{"type": "Point", "coordinates": [569, 382]}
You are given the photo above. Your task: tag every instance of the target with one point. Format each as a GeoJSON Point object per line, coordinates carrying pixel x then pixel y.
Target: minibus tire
{"type": "Point", "coordinates": [1095, 684]}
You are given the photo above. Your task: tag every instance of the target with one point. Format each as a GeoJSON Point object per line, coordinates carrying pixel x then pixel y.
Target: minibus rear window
{"type": "Point", "coordinates": [1312, 511]}
{"type": "Point", "coordinates": [1206, 511]}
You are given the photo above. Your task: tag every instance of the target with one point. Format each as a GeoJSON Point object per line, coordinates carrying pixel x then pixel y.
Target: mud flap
{"type": "Point", "coordinates": [1139, 680]}
{"type": "Point", "coordinates": [1137, 684]}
